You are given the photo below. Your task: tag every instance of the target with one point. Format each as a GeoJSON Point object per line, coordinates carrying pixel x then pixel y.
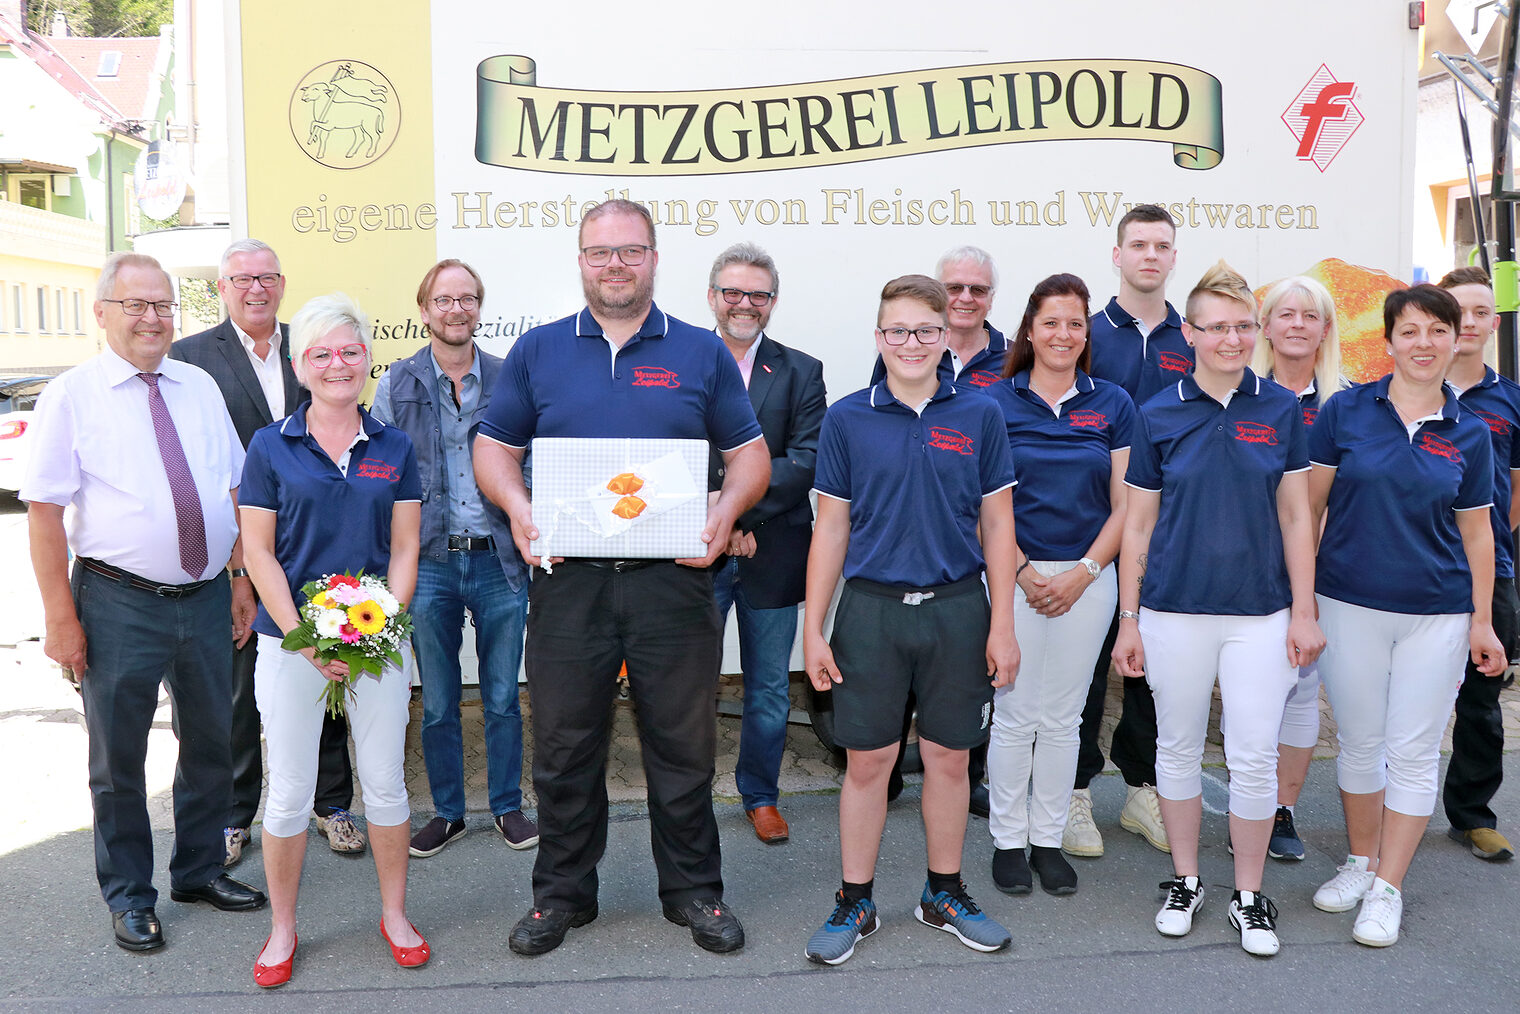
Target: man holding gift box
{"type": "Point", "coordinates": [622, 368]}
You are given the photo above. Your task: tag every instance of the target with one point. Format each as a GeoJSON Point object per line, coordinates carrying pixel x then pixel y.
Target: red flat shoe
{"type": "Point", "coordinates": [408, 957]}
{"type": "Point", "coordinates": [270, 976]}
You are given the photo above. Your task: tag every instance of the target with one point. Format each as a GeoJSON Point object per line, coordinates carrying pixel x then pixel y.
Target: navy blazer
{"type": "Point", "coordinates": [787, 392]}
{"type": "Point", "coordinates": [219, 351]}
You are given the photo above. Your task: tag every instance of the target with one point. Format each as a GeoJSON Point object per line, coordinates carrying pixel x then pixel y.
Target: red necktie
{"type": "Point", "coordinates": [187, 500]}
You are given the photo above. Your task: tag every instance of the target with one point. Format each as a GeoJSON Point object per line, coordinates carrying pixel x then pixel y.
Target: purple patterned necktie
{"type": "Point", "coordinates": [187, 500]}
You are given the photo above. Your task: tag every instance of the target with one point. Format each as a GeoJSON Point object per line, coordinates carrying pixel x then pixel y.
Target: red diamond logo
{"type": "Point", "coordinates": [1322, 117]}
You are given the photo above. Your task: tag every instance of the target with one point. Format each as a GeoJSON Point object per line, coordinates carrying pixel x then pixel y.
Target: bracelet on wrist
{"type": "Point", "coordinates": [1128, 614]}
{"type": "Point", "coordinates": [238, 572]}
{"type": "Point", "coordinates": [1021, 569]}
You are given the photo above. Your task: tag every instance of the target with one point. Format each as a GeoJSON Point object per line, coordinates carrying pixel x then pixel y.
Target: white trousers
{"type": "Point", "coordinates": [1392, 679]}
{"type": "Point", "coordinates": [1184, 654]}
{"type": "Point", "coordinates": [1300, 724]}
{"type": "Point", "coordinates": [1032, 756]}
{"type": "Point", "coordinates": [287, 688]}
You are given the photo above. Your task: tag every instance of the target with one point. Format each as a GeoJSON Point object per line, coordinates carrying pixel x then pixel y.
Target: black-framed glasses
{"type": "Point", "coordinates": [446, 303]}
{"type": "Point", "coordinates": [977, 291]}
{"type": "Point", "coordinates": [1245, 330]}
{"type": "Point", "coordinates": [268, 281]}
{"type": "Point", "coordinates": [733, 296]}
{"type": "Point", "coordinates": [899, 335]}
{"type": "Point", "coordinates": [320, 357]}
{"type": "Point", "coordinates": [138, 307]}
{"type": "Point", "coordinates": [631, 255]}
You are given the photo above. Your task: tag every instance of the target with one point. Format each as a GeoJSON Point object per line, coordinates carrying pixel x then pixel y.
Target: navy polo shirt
{"type": "Point", "coordinates": [1217, 546]}
{"type": "Point", "coordinates": [914, 483]}
{"type": "Point", "coordinates": [1064, 461]}
{"type": "Point", "coordinates": [326, 522]}
{"type": "Point", "coordinates": [1391, 540]}
{"type": "Point", "coordinates": [1141, 364]}
{"type": "Point", "coordinates": [669, 380]}
{"type": "Point", "coordinates": [984, 369]}
{"type": "Point", "coordinates": [1496, 400]}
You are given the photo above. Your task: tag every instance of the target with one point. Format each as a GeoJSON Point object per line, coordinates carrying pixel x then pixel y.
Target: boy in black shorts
{"type": "Point", "coordinates": [908, 474]}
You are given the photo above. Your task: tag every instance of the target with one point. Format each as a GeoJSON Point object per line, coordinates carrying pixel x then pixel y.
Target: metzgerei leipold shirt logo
{"type": "Point", "coordinates": [1323, 116]}
{"type": "Point", "coordinates": [654, 376]}
{"type": "Point", "coordinates": [1174, 362]}
{"type": "Point", "coordinates": [1441, 447]}
{"type": "Point", "coordinates": [947, 439]}
{"type": "Point", "coordinates": [1255, 433]}
{"type": "Point", "coordinates": [1090, 418]}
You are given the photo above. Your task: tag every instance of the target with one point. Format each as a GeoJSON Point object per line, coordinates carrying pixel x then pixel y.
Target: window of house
{"type": "Point", "coordinates": [42, 306]}
{"type": "Point", "coordinates": [78, 311]}
{"type": "Point", "coordinates": [4, 316]}
{"type": "Point", "coordinates": [110, 64]}
{"type": "Point", "coordinates": [34, 192]}
{"type": "Point", "coordinates": [18, 308]}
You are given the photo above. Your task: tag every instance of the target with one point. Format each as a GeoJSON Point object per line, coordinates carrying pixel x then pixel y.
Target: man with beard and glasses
{"type": "Point", "coordinates": [468, 561]}
{"type": "Point", "coordinates": [588, 376]}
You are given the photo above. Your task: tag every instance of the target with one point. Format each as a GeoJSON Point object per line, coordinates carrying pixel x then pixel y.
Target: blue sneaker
{"type": "Point", "coordinates": [957, 913]}
{"type": "Point", "coordinates": [1285, 843]}
{"type": "Point", "coordinates": [835, 940]}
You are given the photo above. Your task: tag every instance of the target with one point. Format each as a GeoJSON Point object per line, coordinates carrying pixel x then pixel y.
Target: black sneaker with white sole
{"type": "Point", "coordinates": [434, 835]}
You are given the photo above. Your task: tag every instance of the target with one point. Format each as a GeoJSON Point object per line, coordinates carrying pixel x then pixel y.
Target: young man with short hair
{"type": "Point", "coordinates": [915, 502]}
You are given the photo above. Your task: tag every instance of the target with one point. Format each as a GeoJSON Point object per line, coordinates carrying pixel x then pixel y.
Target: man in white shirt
{"type": "Point", "coordinates": [248, 357]}
{"type": "Point", "coordinates": [144, 451]}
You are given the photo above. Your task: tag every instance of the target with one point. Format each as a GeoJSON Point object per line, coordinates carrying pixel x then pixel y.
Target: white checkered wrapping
{"type": "Point", "coordinates": [563, 468]}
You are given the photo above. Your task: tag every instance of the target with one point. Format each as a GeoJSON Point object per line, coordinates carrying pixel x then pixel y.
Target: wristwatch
{"type": "Point", "coordinates": [1092, 567]}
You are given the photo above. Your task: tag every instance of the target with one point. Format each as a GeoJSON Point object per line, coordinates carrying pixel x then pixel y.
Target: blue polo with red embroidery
{"type": "Point", "coordinates": [328, 522]}
{"type": "Point", "coordinates": [1496, 400]}
{"type": "Point", "coordinates": [1391, 540]}
{"type": "Point", "coordinates": [1142, 364]}
{"type": "Point", "coordinates": [914, 482]}
{"type": "Point", "coordinates": [670, 379]}
{"type": "Point", "coordinates": [1217, 545]}
{"type": "Point", "coordinates": [1064, 460]}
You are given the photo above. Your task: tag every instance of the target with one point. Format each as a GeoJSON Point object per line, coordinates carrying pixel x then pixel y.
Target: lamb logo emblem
{"type": "Point", "coordinates": [344, 114]}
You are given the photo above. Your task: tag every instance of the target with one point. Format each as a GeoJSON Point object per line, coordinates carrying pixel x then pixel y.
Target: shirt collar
{"type": "Point", "coordinates": [1188, 389]}
{"type": "Point", "coordinates": [1083, 383]}
{"type": "Point", "coordinates": [1118, 316]}
{"type": "Point", "coordinates": [656, 325]}
{"type": "Point", "coordinates": [882, 396]}
{"type": "Point", "coordinates": [1451, 408]}
{"type": "Point", "coordinates": [997, 341]}
{"type": "Point", "coordinates": [274, 339]}
{"type": "Point", "coordinates": [118, 370]}
{"type": "Point", "coordinates": [294, 425]}
{"type": "Point", "coordinates": [438, 374]}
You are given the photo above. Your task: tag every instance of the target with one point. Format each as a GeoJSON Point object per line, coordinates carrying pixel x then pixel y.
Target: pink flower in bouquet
{"type": "Point", "coordinates": [350, 634]}
{"type": "Point", "coordinates": [347, 595]}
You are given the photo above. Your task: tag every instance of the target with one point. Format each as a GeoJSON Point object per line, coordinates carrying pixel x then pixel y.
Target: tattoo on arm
{"type": "Point", "coordinates": [1144, 560]}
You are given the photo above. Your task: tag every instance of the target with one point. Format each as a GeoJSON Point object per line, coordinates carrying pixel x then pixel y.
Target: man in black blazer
{"type": "Point", "coordinates": [766, 569]}
{"type": "Point", "coordinates": [248, 356]}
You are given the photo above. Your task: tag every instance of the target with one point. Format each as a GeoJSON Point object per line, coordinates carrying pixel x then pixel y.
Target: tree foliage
{"type": "Point", "coordinates": [101, 19]}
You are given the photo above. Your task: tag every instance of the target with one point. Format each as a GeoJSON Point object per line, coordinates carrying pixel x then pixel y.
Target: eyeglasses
{"type": "Point", "coordinates": [446, 303]}
{"type": "Point", "coordinates": [320, 357]}
{"type": "Point", "coordinates": [977, 291]}
{"type": "Point", "coordinates": [1245, 330]}
{"type": "Point", "coordinates": [138, 307]}
{"type": "Point", "coordinates": [755, 298]}
{"type": "Point", "coordinates": [899, 335]}
{"type": "Point", "coordinates": [631, 255]}
{"type": "Point", "coordinates": [268, 281]}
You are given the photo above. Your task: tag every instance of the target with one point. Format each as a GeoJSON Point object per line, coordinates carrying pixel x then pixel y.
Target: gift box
{"type": "Point", "coordinates": [619, 497]}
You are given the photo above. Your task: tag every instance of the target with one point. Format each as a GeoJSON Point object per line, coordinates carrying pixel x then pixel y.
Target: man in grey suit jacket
{"type": "Point", "coordinates": [765, 571]}
{"type": "Point", "coordinates": [247, 355]}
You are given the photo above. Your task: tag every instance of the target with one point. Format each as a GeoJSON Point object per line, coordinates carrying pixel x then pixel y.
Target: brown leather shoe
{"type": "Point", "coordinates": [770, 826]}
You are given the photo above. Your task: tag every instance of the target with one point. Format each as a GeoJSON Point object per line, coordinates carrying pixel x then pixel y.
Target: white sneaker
{"type": "Point", "coordinates": [1342, 892]}
{"type": "Point", "coordinates": [1142, 815]}
{"type": "Point", "coordinates": [1377, 924]}
{"type": "Point", "coordinates": [1255, 916]}
{"type": "Point", "coordinates": [1081, 837]}
{"type": "Point", "coordinates": [1184, 896]}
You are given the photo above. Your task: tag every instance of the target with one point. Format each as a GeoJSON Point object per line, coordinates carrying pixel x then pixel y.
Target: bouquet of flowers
{"type": "Point", "coordinates": [355, 618]}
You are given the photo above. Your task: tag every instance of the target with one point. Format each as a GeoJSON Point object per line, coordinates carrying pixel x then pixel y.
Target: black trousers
{"type": "Point", "coordinates": [1477, 738]}
{"type": "Point", "coordinates": [135, 641]}
{"type": "Point", "coordinates": [335, 775]}
{"type": "Point", "coordinates": [1134, 745]}
{"type": "Point", "coordinates": [584, 621]}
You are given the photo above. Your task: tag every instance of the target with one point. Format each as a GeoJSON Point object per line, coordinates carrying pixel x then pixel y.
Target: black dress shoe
{"type": "Point", "coordinates": [137, 929]}
{"type": "Point", "coordinates": [225, 893]}
{"type": "Point", "coordinates": [713, 924]}
{"type": "Point", "coordinates": [543, 929]}
{"type": "Point", "coordinates": [1010, 871]}
{"type": "Point", "coordinates": [1055, 873]}
{"type": "Point", "coordinates": [981, 801]}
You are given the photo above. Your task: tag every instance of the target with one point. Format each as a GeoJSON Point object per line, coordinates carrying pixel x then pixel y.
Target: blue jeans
{"type": "Point", "coordinates": [472, 580]}
{"type": "Point", "coordinates": [765, 655]}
